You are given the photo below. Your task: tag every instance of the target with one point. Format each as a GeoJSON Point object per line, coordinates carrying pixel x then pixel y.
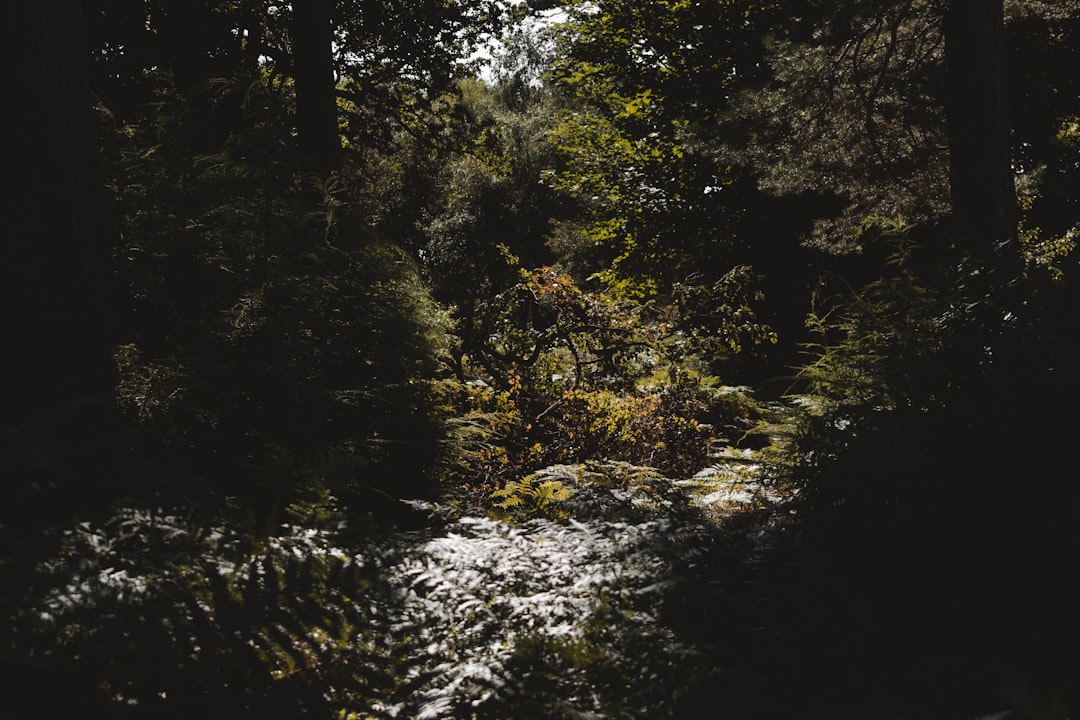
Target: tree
{"type": "Point", "coordinates": [851, 118]}
{"type": "Point", "coordinates": [492, 214]}
{"type": "Point", "coordinates": [916, 111]}
{"type": "Point", "coordinates": [55, 259]}
{"type": "Point", "coordinates": [928, 373]}
{"type": "Point", "coordinates": [653, 148]}
{"type": "Point", "coordinates": [138, 47]}
{"type": "Point", "coordinates": [54, 271]}
{"type": "Point", "coordinates": [1042, 41]}
{"type": "Point", "coordinates": [397, 60]}
{"type": "Point", "coordinates": [646, 82]}
{"type": "Point", "coordinates": [983, 190]}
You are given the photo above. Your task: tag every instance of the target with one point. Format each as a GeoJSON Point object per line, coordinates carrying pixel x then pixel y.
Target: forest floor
{"type": "Point", "coordinates": [652, 598]}
{"type": "Point", "coordinates": [708, 604]}
{"type": "Point", "coordinates": [633, 596]}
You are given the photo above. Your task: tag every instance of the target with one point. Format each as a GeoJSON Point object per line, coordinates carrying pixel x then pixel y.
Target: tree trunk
{"type": "Point", "coordinates": [55, 258]}
{"type": "Point", "coordinates": [980, 162]}
{"type": "Point", "coordinates": [313, 73]}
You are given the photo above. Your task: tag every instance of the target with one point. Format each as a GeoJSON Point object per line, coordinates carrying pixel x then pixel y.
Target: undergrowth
{"type": "Point", "coordinates": [152, 614]}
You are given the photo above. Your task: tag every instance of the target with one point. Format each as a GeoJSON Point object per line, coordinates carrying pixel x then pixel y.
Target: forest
{"type": "Point", "coordinates": [547, 360]}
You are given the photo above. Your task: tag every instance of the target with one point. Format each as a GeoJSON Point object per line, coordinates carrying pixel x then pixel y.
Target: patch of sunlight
{"type": "Point", "coordinates": [470, 597]}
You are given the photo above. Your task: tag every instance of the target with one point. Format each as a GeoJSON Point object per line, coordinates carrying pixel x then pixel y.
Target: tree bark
{"type": "Point", "coordinates": [980, 160]}
{"type": "Point", "coordinates": [313, 73]}
{"type": "Point", "coordinates": [55, 257]}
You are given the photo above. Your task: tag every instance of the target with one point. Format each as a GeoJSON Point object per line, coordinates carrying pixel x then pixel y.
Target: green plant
{"type": "Point", "coordinates": [532, 496]}
{"type": "Point", "coordinates": [153, 612]}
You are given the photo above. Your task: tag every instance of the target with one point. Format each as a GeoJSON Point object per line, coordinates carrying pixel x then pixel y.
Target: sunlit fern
{"type": "Point", "coordinates": [532, 496]}
{"type": "Point", "coordinates": [609, 489]}
{"type": "Point", "coordinates": [166, 613]}
{"type": "Point", "coordinates": [160, 612]}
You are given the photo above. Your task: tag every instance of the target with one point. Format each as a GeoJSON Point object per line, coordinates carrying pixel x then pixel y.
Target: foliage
{"type": "Point", "coordinates": [266, 321]}
{"type": "Point", "coordinates": [396, 65]}
{"type": "Point", "coordinates": [1042, 103]}
{"type": "Point", "coordinates": [673, 208]}
{"type": "Point", "coordinates": [882, 361]}
{"type": "Point", "coordinates": [544, 325]}
{"type": "Point", "coordinates": [909, 456]}
{"type": "Point", "coordinates": [669, 429]}
{"type": "Point", "coordinates": [853, 114]}
{"type": "Point", "coordinates": [152, 613]}
{"type": "Point", "coordinates": [139, 48]}
{"type": "Point", "coordinates": [854, 111]}
{"type": "Point", "coordinates": [1044, 253]}
{"type": "Point", "coordinates": [565, 376]}
{"type": "Point", "coordinates": [514, 296]}
{"type": "Point", "coordinates": [498, 610]}
{"type": "Point", "coordinates": [720, 319]}
{"type": "Point", "coordinates": [531, 497]}
{"type": "Point", "coordinates": [608, 490]}
{"type": "Point", "coordinates": [643, 78]}
{"type": "Point", "coordinates": [488, 217]}
{"type": "Point", "coordinates": [674, 427]}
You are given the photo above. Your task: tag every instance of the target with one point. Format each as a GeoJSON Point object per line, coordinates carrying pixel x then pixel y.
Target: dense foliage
{"type": "Point", "coordinates": [542, 360]}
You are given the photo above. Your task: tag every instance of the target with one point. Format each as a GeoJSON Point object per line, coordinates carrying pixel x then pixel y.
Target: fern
{"type": "Point", "coordinates": [252, 628]}
{"type": "Point", "coordinates": [532, 496]}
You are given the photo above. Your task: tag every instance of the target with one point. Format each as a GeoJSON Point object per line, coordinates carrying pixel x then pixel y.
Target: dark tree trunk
{"type": "Point", "coordinates": [980, 167]}
{"type": "Point", "coordinates": [313, 72]}
{"type": "Point", "coordinates": [55, 256]}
